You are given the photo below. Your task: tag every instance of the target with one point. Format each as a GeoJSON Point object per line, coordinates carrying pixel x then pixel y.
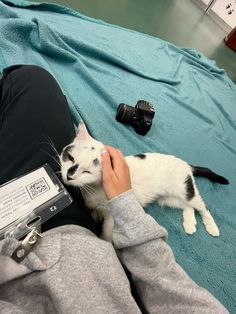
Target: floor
{"type": "Point", "coordinates": [178, 21]}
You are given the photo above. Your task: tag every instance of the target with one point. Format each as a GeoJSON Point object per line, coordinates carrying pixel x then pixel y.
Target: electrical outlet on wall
{"type": "Point", "coordinates": [223, 12]}
{"type": "Point", "coordinates": [226, 10]}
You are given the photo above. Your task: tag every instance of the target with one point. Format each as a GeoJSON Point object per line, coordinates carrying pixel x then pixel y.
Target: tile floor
{"type": "Point", "coordinates": [178, 21]}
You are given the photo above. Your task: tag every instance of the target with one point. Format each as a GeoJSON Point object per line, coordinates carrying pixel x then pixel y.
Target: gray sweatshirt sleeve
{"type": "Point", "coordinates": [162, 284]}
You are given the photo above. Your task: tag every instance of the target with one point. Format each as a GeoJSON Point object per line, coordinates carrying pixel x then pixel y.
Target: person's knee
{"type": "Point", "coordinates": [33, 73]}
{"type": "Point", "coordinates": [31, 86]}
{"type": "Point", "coordinates": [35, 79]}
{"type": "Point", "coordinates": [29, 75]}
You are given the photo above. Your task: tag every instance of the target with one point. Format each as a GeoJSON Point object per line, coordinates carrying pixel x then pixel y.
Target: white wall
{"type": "Point", "coordinates": [222, 8]}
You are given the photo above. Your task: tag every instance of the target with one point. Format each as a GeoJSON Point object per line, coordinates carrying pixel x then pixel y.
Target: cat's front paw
{"type": "Point", "coordinates": [107, 228]}
{"type": "Point", "coordinates": [96, 215]}
{"type": "Point", "coordinates": [106, 236]}
{"type": "Point", "coordinates": [189, 228]}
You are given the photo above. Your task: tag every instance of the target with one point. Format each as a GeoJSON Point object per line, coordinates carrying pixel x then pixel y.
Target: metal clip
{"type": "Point", "coordinates": [26, 246]}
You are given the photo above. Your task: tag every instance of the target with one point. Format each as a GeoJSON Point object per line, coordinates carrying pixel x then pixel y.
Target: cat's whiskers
{"type": "Point", "coordinates": [53, 157]}
{"type": "Point", "coordinates": [85, 192]}
{"type": "Point", "coordinates": [79, 193]}
{"type": "Point", "coordinates": [88, 189]}
{"type": "Point", "coordinates": [53, 147]}
{"type": "Point", "coordinates": [82, 189]}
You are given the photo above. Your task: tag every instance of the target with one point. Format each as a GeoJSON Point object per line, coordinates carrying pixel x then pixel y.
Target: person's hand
{"type": "Point", "coordinates": [115, 172]}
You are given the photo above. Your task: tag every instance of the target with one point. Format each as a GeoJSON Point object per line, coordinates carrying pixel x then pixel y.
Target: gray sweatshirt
{"type": "Point", "coordinates": [72, 271]}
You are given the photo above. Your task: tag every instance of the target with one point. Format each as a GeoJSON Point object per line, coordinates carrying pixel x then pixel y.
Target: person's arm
{"type": "Point", "coordinates": [162, 284]}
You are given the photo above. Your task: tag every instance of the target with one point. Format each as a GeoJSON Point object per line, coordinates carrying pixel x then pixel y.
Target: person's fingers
{"type": "Point", "coordinates": [106, 164]}
{"type": "Point", "coordinates": [119, 162]}
{"type": "Point", "coordinates": [117, 158]}
{"type": "Point", "coordinates": [116, 176]}
{"type": "Point", "coordinates": [111, 150]}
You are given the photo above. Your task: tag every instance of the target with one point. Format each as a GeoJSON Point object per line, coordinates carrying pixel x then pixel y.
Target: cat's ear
{"type": "Point", "coordinates": [82, 133]}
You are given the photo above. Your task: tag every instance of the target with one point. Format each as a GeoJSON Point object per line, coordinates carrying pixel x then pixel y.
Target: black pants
{"type": "Point", "coordinates": [34, 113]}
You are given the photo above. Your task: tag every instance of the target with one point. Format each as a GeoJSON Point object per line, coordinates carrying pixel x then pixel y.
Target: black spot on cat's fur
{"type": "Point", "coordinates": [189, 188]}
{"type": "Point", "coordinates": [141, 156]}
{"type": "Point", "coordinates": [72, 171]}
{"type": "Point", "coordinates": [96, 162]}
{"type": "Point", "coordinates": [92, 147]}
{"type": "Point", "coordinates": [66, 153]}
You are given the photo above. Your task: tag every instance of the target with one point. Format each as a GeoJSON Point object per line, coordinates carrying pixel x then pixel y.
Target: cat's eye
{"type": "Point", "coordinates": [71, 158]}
{"type": "Point", "coordinates": [85, 171]}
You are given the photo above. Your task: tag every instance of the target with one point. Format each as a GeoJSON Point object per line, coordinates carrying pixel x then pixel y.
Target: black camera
{"type": "Point", "coordinates": [140, 117]}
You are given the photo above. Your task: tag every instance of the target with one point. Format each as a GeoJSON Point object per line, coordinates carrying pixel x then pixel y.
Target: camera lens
{"type": "Point", "coordinates": [125, 114]}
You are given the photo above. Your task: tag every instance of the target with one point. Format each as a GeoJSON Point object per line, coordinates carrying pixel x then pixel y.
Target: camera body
{"type": "Point", "coordinates": [139, 117]}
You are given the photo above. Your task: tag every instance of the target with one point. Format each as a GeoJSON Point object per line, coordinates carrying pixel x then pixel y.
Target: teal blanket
{"type": "Point", "coordinates": [98, 66]}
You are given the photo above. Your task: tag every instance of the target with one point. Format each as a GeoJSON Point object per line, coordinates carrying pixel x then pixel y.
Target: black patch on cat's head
{"type": "Point", "coordinates": [71, 171]}
{"type": "Point", "coordinates": [141, 156]}
{"type": "Point", "coordinates": [189, 188]}
{"type": "Point", "coordinates": [92, 147]}
{"type": "Point", "coordinates": [96, 162]}
{"type": "Point", "coordinates": [66, 153]}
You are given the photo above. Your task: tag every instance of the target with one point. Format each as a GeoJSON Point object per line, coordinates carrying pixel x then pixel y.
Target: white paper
{"type": "Point", "coordinates": [23, 195]}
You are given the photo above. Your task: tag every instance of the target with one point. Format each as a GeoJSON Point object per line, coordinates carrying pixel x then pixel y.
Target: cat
{"type": "Point", "coordinates": [155, 177]}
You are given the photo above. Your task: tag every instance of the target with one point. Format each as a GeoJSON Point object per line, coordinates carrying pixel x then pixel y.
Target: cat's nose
{"type": "Point", "coordinates": [71, 171]}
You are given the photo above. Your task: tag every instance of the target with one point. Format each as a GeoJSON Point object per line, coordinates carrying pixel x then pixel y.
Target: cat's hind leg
{"type": "Point", "coordinates": [194, 200]}
{"type": "Point", "coordinates": [189, 220]}
{"type": "Point", "coordinates": [206, 216]}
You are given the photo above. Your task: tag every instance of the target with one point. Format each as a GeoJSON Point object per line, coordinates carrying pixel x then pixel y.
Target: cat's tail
{"type": "Point", "coordinates": [205, 172]}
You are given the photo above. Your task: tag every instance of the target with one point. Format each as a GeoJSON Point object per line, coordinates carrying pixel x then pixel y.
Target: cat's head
{"type": "Point", "coordinates": [81, 160]}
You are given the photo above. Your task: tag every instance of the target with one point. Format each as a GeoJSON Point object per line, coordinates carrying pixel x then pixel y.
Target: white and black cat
{"type": "Point", "coordinates": [155, 177]}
